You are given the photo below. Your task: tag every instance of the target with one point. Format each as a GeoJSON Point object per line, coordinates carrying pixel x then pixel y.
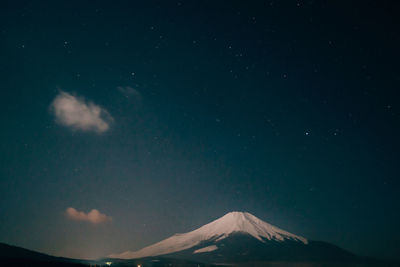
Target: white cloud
{"type": "Point", "coordinates": [93, 216]}
{"type": "Point", "coordinates": [78, 114]}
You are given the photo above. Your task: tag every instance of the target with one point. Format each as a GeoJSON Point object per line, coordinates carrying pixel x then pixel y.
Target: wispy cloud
{"type": "Point", "coordinates": [77, 113]}
{"type": "Point", "coordinates": [128, 92]}
{"type": "Point", "coordinates": [94, 216]}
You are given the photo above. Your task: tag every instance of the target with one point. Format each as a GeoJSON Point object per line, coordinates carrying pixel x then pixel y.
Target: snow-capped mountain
{"type": "Point", "coordinates": [231, 224]}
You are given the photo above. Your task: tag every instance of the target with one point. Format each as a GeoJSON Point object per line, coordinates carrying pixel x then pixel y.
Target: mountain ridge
{"type": "Point", "coordinates": [217, 230]}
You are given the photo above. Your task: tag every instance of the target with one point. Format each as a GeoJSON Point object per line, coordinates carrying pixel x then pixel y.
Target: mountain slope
{"type": "Point", "coordinates": [216, 231]}
{"type": "Point", "coordinates": [240, 247]}
{"type": "Point", "coordinates": [16, 256]}
{"type": "Point", "coordinates": [12, 252]}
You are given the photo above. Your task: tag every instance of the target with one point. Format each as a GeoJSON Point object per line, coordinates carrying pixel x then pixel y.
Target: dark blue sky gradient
{"type": "Point", "coordinates": [286, 109]}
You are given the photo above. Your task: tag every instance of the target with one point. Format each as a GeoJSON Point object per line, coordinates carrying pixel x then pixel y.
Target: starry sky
{"type": "Point", "coordinates": [124, 122]}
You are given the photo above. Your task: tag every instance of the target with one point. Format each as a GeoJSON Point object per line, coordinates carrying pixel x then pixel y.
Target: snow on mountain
{"type": "Point", "coordinates": [233, 222]}
{"type": "Point", "coordinates": [206, 249]}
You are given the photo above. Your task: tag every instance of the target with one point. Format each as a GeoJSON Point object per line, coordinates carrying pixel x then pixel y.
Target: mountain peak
{"type": "Point", "coordinates": [245, 222]}
{"type": "Point", "coordinates": [230, 223]}
{"type": "Point", "coordinates": [236, 214]}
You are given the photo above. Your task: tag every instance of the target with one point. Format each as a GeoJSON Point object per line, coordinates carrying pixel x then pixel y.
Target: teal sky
{"type": "Point", "coordinates": [165, 115]}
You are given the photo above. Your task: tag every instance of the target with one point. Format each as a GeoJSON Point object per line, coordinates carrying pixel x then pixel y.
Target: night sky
{"type": "Point", "coordinates": [163, 116]}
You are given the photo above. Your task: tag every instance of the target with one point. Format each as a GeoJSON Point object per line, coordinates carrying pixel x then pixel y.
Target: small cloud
{"type": "Point", "coordinates": [79, 114]}
{"type": "Point", "coordinates": [128, 91]}
{"type": "Point", "coordinates": [93, 216]}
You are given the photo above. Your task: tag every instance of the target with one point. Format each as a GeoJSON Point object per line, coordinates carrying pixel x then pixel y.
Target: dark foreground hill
{"type": "Point", "coordinates": [16, 256]}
